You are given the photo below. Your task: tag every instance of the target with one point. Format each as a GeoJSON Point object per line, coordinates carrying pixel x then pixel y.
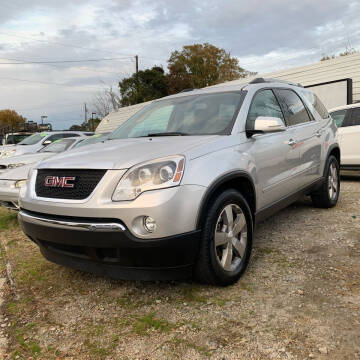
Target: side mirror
{"type": "Point", "coordinates": [47, 142]}
{"type": "Point", "coordinates": [267, 124]}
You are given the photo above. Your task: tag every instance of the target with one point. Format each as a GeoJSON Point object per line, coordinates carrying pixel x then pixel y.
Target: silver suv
{"type": "Point", "coordinates": [177, 189]}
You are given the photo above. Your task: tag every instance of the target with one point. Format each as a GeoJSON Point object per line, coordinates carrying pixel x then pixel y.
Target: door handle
{"type": "Point", "coordinates": [291, 142]}
{"type": "Point", "coordinates": [318, 133]}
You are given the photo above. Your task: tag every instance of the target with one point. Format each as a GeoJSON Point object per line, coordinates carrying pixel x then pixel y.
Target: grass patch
{"type": "Point", "coordinates": [149, 322]}
{"type": "Point", "coordinates": [189, 344]}
{"type": "Point", "coordinates": [95, 350]}
{"type": "Point", "coordinates": [8, 219]}
{"type": "Point", "coordinates": [191, 295]}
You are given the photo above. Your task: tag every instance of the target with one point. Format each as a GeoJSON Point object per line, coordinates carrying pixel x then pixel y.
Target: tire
{"type": "Point", "coordinates": [328, 194]}
{"type": "Point", "coordinates": [214, 265]}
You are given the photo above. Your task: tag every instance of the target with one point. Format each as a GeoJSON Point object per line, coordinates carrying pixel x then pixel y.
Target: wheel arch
{"type": "Point", "coordinates": [238, 180]}
{"type": "Point", "coordinates": [334, 149]}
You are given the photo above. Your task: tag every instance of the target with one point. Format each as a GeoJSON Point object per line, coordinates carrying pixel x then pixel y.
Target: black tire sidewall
{"type": "Point", "coordinates": [332, 160]}
{"type": "Point", "coordinates": [228, 197]}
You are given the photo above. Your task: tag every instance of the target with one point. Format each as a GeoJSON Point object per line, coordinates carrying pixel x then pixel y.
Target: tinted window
{"type": "Point", "coordinates": [316, 104]}
{"type": "Point", "coordinates": [58, 146]}
{"type": "Point", "coordinates": [191, 115]}
{"type": "Point", "coordinates": [264, 104]}
{"type": "Point", "coordinates": [355, 116]}
{"type": "Point", "coordinates": [33, 139]}
{"type": "Point", "coordinates": [61, 136]}
{"type": "Point", "coordinates": [339, 117]}
{"type": "Point", "coordinates": [294, 109]}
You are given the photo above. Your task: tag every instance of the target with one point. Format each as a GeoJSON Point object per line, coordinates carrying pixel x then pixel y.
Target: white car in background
{"type": "Point", "coordinates": [14, 170]}
{"type": "Point", "coordinates": [347, 119]}
{"type": "Point", "coordinates": [38, 141]}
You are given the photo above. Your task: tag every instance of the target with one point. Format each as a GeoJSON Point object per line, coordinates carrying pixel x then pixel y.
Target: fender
{"type": "Point", "coordinates": [215, 185]}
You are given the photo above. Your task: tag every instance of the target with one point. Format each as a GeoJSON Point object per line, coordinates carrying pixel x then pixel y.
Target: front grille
{"type": "Point", "coordinates": [84, 183]}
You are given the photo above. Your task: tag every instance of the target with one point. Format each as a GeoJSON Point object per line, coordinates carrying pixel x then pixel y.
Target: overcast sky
{"type": "Point", "coordinates": [265, 35]}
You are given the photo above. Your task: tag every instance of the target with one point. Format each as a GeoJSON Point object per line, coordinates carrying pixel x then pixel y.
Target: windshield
{"type": "Point", "coordinates": [16, 138]}
{"type": "Point", "coordinates": [58, 146]}
{"type": "Point", "coordinates": [92, 140]}
{"type": "Point", "coordinates": [206, 114]}
{"type": "Point", "coordinates": [33, 139]}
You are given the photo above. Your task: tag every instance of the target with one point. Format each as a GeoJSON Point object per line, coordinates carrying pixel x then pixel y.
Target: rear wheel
{"type": "Point", "coordinates": [226, 240]}
{"type": "Point", "coordinates": [328, 195]}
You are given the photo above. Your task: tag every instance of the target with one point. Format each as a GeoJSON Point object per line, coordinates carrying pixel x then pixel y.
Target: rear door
{"type": "Point", "coordinates": [349, 136]}
{"type": "Point", "coordinates": [307, 137]}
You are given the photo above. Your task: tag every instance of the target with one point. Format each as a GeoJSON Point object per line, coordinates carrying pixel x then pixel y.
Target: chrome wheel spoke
{"type": "Point", "coordinates": [239, 224]}
{"type": "Point", "coordinates": [226, 260]}
{"type": "Point", "coordinates": [229, 217]}
{"type": "Point", "coordinates": [220, 238]}
{"type": "Point", "coordinates": [240, 245]}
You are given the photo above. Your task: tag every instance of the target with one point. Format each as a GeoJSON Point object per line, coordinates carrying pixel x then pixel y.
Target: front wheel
{"type": "Point", "coordinates": [226, 240]}
{"type": "Point", "coordinates": [328, 195]}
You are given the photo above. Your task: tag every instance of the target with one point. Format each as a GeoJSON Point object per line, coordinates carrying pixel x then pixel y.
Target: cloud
{"type": "Point", "coordinates": [264, 35]}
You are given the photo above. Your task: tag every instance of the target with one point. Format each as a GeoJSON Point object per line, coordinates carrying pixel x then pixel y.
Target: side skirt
{"type": "Point", "coordinates": [273, 208]}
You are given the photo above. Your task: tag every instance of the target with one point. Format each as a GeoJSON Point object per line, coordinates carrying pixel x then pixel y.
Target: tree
{"type": "Point", "coordinates": [90, 125]}
{"type": "Point", "coordinates": [12, 120]}
{"type": "Point", "coordinates": [200, 65]}
{"type": "Point", "coordinates": [105, 102]}
{"type": "Point", "coordinates": [146, 85]}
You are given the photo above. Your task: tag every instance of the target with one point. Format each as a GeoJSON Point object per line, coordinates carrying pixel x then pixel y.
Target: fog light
{"type": "Point", "coordinates": [149, 224]}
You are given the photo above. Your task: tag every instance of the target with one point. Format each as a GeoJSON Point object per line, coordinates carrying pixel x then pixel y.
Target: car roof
{"type": "Point", "coordinates": [257, 83]}
{"type": "Point", "coordinates": [345, 107]}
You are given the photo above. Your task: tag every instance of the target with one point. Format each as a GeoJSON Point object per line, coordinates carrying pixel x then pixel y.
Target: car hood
{"type": "Point", "coordinates": [124, 153]}
{"type": "Point", "coordinates": [25, 158]}
{"type": "Point", "coordinates": [20, 173]}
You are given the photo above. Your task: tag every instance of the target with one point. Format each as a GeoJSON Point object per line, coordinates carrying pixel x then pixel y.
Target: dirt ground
{"type": "Point", "coordinates": [299, 299]}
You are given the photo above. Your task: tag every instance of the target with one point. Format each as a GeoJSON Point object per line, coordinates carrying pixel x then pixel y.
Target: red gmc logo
{"type": "Point", "coordinates": [59, 181]}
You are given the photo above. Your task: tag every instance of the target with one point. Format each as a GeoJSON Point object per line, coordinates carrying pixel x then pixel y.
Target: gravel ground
{"type": "Point", "coordinates": [299, 299]}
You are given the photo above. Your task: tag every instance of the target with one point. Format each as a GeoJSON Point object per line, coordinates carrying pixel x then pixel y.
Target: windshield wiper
{"type": "Point", "coordinates": [174, 133]}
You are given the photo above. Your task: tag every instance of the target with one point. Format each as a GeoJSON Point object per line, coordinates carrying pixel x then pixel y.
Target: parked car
{"type": "Point", "coordinates": [38, 141]}
{"type": "Point", "coordinates": [177, 189]}
{"type": "Point", "coordinates": [347, 119]}
{"type": "Point", "coordinates": [14, 170]}
{"type": "Point", "coordinates": [94, 139]}
{"type": "Point", "coordinates": [15, 138]}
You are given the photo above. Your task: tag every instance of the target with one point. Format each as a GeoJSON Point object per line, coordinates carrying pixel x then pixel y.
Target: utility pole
{"type": "Point", "coordinates": [92, 121]}
{"type": "Point", "coordinates": [85, 113]}
{"type": "Point", "coordinates": [137, 63]}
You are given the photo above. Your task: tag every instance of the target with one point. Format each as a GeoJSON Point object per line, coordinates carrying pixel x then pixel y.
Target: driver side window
{"type": "Point", "coordinates": [264, 104]}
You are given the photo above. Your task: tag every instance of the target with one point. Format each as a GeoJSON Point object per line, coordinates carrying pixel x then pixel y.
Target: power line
{"type": "Point", "coordinates": [78, 47]}
{"type": "Point", "coordinates": [62, 61]}
{"type": "Point", "coordinates": [62, 44]}
{"type": "Point", "coordinates": [62, 67]}
{"type": "Point", "coordinates": [44, 82]}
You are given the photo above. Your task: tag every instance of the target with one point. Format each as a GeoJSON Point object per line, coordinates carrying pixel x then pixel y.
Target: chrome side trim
{"type": "Point", "coordinates": [71, 225]}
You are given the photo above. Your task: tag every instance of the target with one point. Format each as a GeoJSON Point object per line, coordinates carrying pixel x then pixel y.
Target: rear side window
{"type": "Point", "coordinates": [293, 107]}
{"type": "Point", "coordinates": [264, 104]}
{"type": "Point", "coordinates": [352, 118]}
{"type": "Point", "coordinates": [61, 136]}
{"type": "Point", "coordinates": [316, 103]}
{"type": "Point", "coordinates": [339, 117]}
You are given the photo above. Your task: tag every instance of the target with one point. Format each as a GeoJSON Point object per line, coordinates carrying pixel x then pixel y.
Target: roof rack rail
{"type": "Point", "coordinates": [186, 90]}
{"type": "Point", "coordinates": [271, 80]}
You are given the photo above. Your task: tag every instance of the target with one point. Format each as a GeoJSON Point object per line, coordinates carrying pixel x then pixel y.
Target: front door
{"type": "Point", "coordinates": [275, 155]}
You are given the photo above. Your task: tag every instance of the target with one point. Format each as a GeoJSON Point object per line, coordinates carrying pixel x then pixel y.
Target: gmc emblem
{"type": "Point", "coordinates": [59, 181]}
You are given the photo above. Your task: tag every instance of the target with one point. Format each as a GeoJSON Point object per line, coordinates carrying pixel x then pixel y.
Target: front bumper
{"type": "Point", "coordinates": [106, 247]}
{"type": "Point", "coordinates": [9, 197]}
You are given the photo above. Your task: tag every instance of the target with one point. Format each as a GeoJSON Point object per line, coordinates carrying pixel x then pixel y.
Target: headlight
{"type": "Point", "coordinates": [20, 183]}
{"type": "Point", "coordinates": [13, 166]}
{"type": "Point", "coordinates": [156, 174]}
{"type": "Point", "coordinates": [7, 184]}
{"type": "Point", "coordinates": [6, 153]}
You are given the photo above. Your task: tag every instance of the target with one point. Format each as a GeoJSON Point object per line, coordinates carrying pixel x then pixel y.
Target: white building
{"type": "Point", "coordinates": [335, 81]}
